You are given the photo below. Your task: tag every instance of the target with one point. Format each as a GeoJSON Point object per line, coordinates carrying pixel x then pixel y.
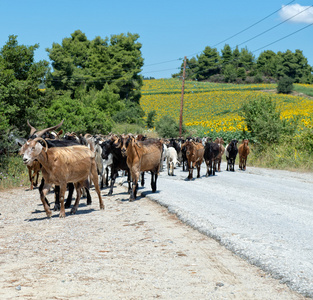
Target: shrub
{"type": "Point", "coordinates": [258, 78]}
{"type": "Point", "coordinates": [263, 120]}
{"type": "Point", "coordinates": [285, 85]}
{"type": "Point", "coordinates": [304, 141]}
{"type": "Point", "coordinates": [168, 128]}
{"type": "Point", "coordinates": [241, 73]}
{"type": "Point", "coordinates": [150, 118]}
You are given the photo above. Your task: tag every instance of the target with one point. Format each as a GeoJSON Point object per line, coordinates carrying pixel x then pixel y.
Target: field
{"type": "Point", "coordinates": [212, 109]}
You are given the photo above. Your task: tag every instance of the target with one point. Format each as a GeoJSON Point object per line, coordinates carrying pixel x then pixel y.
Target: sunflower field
{"type": "Point", "coordinates": [213, 109]}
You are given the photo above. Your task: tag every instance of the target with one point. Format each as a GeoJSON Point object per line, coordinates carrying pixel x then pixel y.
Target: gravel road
{"type": "Point", "coordinates": [262, 215]}
{"type": "Point", "coordinates": [137, 250]}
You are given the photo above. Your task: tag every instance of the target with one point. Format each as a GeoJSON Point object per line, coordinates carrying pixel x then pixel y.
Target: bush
{"type": "Point", "coordinates": [285, 85]}
{"type": "Point", "coordinates": [150, 118]}
{"type": "Point", "coordinates": [263, 120]}
{"type": "Point", "coordinates": [258, 78]}
{"type": "Point", "coordinates": [132, 113]}
{"type": "Point", "coordinates": [304, 141]}
{"type": "Point", "coordinates": [241, 73]}
{"type": "Point", "coordinates": [168, 128]}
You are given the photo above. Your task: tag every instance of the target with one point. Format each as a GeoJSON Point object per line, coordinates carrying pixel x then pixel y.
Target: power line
{"type": "Point", "coordinates": [244, 29]}
{"type": "Point", "coordinates": [273, 27]}
{"type": "Point", "coordinates": [283, 37]}
{"type": "Point", "coordinates": [252, 25]}
{"type": "Point", "coordinates": [163, 62]}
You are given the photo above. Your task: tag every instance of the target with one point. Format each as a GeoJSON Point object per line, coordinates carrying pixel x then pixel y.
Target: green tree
{"type": "Point", "coordinates": [295, 66]}
{"type": "Point", "coordinates": [208, 63]}
{"type": "Point", "coordinates": [230, 73]}
{"type": "Point", "coordinates": [227, 55]}
{"type": "Point", "coordinates": [20, 77]}
{"type": "Point", "coordinates": [116, 61]}
{"type": "Point", "coordinates": [126, 64]}
{"type": "Point", "coordinates": [267, 63]}
{"type": "Point", "coordinates": [241, 73]}
{"type": "Point", "coordinates": [246, 60]}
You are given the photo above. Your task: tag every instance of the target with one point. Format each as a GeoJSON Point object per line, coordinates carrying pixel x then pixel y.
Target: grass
{"type": "Point", "coordinates": [305, 89]}
{"type": "Point", "coordinates": [13, 173]}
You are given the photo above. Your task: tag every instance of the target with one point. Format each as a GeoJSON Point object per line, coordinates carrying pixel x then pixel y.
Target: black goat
{"type": "Point", "coordinates": [211, 152]}
{"type": "Point", "coordinates": [231, 153]}
{"type": "Point", "coordinates": [119, 161]}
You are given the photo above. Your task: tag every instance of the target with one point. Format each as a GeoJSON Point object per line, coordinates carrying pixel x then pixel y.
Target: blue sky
{"type": "Point", "coordinates": [168, 30]}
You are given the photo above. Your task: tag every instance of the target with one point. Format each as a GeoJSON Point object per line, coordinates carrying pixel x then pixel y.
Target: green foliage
{"type": "Point", "coordinates": [116, 61]}
{"type": "Point", "coordinates": [241, 73]}
{"type": "Point", "coordinates": [132, 113]}
{"type": "Point", "coordinates": [305, 140]}
{"type": "Point", "coordinates": [168, 128]}
{"type": "Point", "coordinates": [13, 172]}
{"type": "Point", "coordinates": [150, 118]}
{"type": "Point", "coordinates": [267, 63]}
{"type": "Point", "coordinates": [230, 73]}
{"type": "Point", "coordinates": [263, 120]}
{"type": "Point", "coordinates": [285, 85]}
{"type": "Point", "coordinates": [77, 117]}
{"type": "Point", "coordinates": [20, 98]}
{"type": "Point", "coordinates": [210, 65]}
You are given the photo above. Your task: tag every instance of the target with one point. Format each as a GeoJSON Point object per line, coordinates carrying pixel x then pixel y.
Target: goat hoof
{"type": "Point", "coordinates": [73, 211]}
{"type": "Point", "coordinates": [57, 207]}
{"type": "Point", "coordinates": [62, 216]}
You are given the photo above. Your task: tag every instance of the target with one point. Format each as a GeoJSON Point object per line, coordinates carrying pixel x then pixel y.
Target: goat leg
{"type": "Point", "coordinates": [78, 195]}
{"type": "Point", "coordinates": [94, 179]}
{"type": "Point", "coordinates": [70, 195]}
{"type": "Point", "coordinates": [56, 198]}
{"type": "Point", "coordinates": [62, 207]}
{"type": "Point", "coordinates": [43, 194]}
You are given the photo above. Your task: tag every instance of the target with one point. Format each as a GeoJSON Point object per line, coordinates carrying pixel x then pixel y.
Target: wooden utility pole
{"type": "Point", "coordinates": [182, 99]}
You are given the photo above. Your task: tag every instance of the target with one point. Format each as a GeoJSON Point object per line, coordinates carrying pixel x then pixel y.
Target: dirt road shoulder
{"type": "Point", "coordinates": [131, 250]}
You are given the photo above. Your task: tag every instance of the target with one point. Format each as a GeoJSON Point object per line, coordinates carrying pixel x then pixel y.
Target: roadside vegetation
{"type": "Point", "coordinates": [96, 87]}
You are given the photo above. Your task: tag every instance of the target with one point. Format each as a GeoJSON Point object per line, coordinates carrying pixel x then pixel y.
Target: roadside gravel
{"type": "Point", "coordinates": [129, 251]}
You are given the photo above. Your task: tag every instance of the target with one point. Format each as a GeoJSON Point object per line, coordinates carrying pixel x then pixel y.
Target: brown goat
{"type": "Point", "coordinates": [33, 172]}
{"type": "Point", "coordinates": [60, 166]}
{"type": "Point", "coordinates": [220, 143]}
{"type": "Point", "coordinates": [194, 153]}
{"type": "Point", "coordinates": [243, 151]}
{"type": "Point", "coordinates": [142, 156]}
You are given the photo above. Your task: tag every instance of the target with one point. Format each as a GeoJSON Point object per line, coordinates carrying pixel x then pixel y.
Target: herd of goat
{"type": "Point", "coordinates": [72, 162]}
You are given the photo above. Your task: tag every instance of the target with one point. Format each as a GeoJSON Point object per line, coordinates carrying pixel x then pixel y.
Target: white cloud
{"type": "Point", "coordinates": [289, 11]}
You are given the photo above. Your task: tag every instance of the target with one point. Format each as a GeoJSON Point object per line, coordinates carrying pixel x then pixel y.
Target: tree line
{"type": "Point", "coordinates": [92, 85]}
{"type": "Point", "coordinates": [241, 66]}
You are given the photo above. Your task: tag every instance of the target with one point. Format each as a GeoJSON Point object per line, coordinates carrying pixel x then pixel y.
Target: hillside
{"type": "Point", "coordinates": [214, 109]}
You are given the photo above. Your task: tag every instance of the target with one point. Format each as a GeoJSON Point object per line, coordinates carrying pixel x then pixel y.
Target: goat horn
{"type": "Point", "coordinates": [41, 132]}
{"type": "Point", "coordinates": [32, 129]}
{"type": "Point", "coordinates": [41, 139]}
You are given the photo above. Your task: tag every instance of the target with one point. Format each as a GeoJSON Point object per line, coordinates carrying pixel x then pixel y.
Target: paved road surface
{"type": "Point", "coordinates": [264, 216]}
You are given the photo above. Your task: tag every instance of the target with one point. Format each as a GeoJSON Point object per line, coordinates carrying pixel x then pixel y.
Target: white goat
{"type": "Point", "coordinates": [171, 160]}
